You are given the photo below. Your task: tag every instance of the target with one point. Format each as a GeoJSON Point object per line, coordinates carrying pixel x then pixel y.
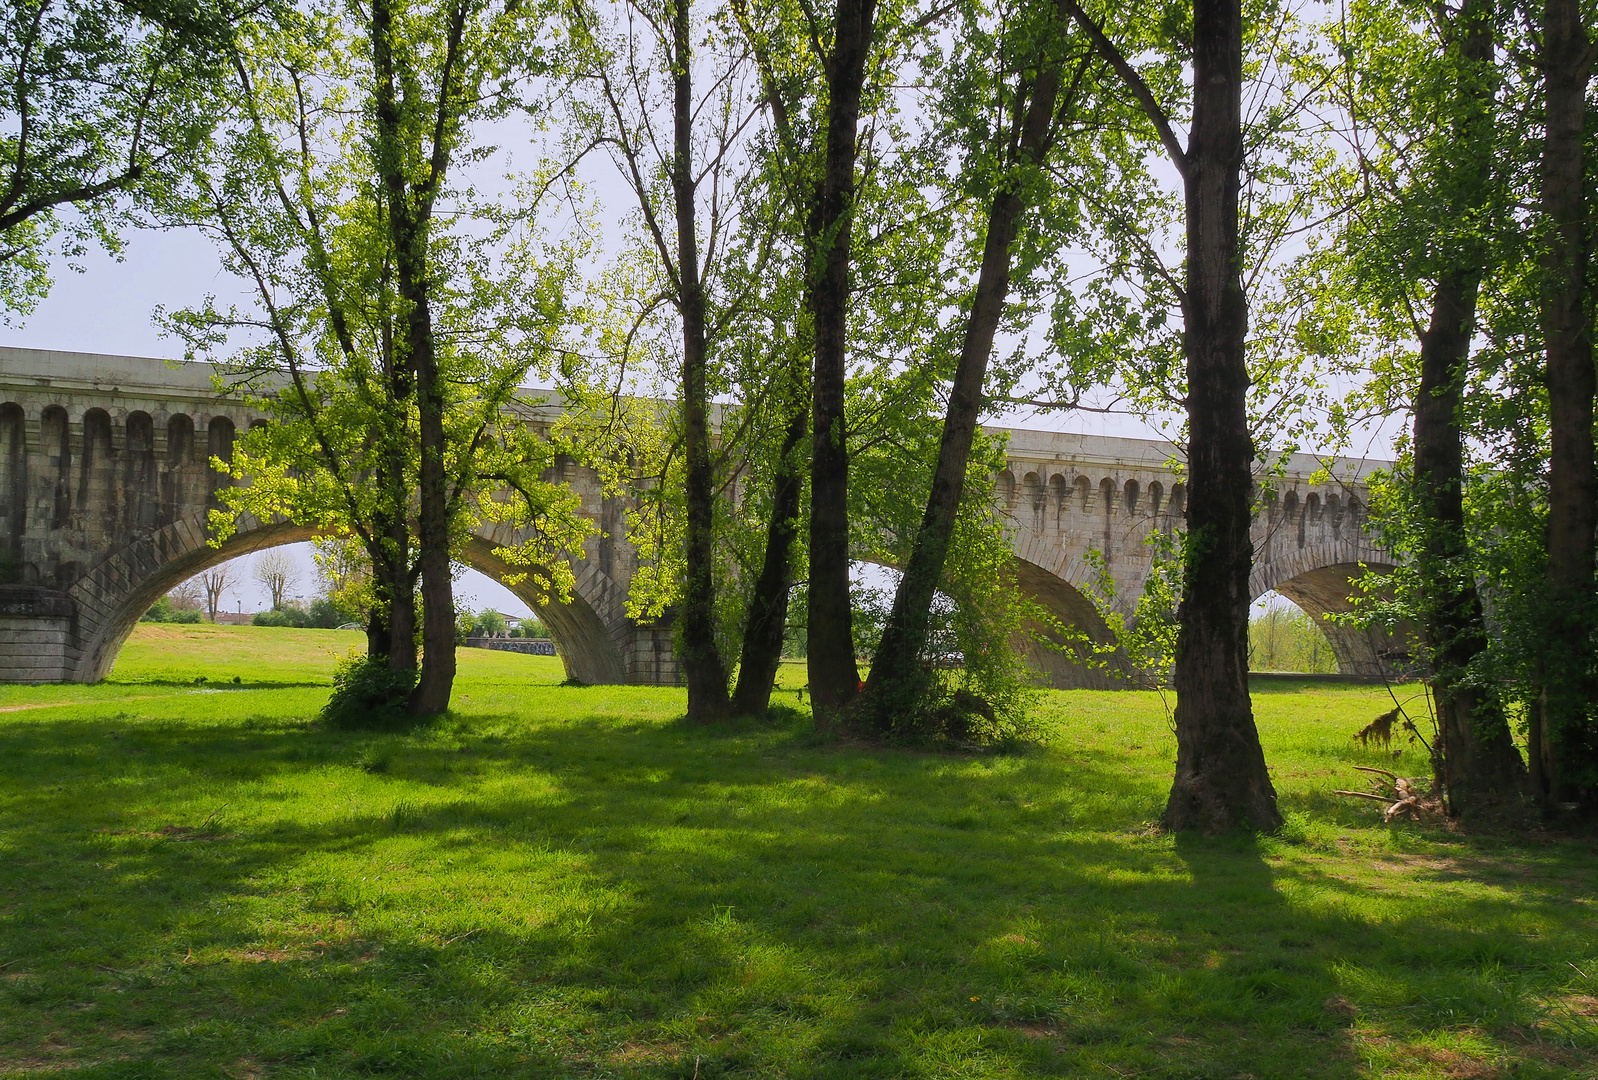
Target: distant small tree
{"type": "Point", "coordinates": [344, 579]}
{"type": "Point", "coordinates": [276, 573]}
{"type": "Point", "coordinates": [489, 623]}
{"type": "Point", "coordinates": [214, 582]}
{"type": "Point", "coordinates": [187, 596]}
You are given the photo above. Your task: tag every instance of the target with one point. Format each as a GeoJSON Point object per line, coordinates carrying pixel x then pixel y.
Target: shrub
{"type": "Point", "coordinates": [327, 613]}
{"type": "Point", "coordinates": [289, 615]}
{"type": "Point", "coordinates": [164, 611]}
{"type": "Point", "coordinates": [368, 696]}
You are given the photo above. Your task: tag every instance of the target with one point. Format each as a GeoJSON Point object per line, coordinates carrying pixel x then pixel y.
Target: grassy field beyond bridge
{"type": "Point", "coordinates": [195, 881]}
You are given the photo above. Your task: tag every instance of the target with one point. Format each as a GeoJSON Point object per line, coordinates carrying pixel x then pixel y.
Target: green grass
{"type": "Point", "coordinates": [560, 882]}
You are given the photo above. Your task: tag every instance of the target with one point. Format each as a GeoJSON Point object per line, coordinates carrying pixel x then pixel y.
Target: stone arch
{"type": "Point", "coordinates": [591, 649]}
{"type": "Point", "coordinates": [1130, 494]}
{"type": "Point", "coordinates": [1007, 488]}
{"type": "Point", "coordinates": [139, 485]}
{"type": "Point", "coordinates": [111, 598]}
{"type": "Point", "coordinates": [1322, 579]}
{"type": "Point", "coordinates": [1156, 497]}
{"type": "Point", "coordinates": [1034, 492]}
{"type": "Point", "coordinates": [177, 468]}
{"type": "Point", "coordinates": [1061, 494]}
{"type": "Point", "coordinates": [1059, 663]}
{"type": "Point", "coordinates": [13, 489]}
{"type": "Point", "coordinates": [95, 464]}
{"type": "Point", "coordinates": [219, 436]}
{"type": "Point", "coordinates": [179, 440]}
{"type": "Point", "coordinates": [1084, 492]}
{"type": "Point", "coordinates": [55, 438]}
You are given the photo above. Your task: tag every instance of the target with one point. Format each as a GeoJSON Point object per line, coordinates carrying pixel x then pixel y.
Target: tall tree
{"type": "Point", "coordinates": [413, 140]}
{"type": "Point", "coordinates": [896, 670]}
{"type": "Point", "coordinates": [705, 170]}
{"type": "Point", "coordinates": [353, 311]}
{"type": "Point", "coordinates": [1221, 779]}
{"type": "Point", "coordinates": [1563, 739]}
{"type": "Point", "coordinates": [834, 675]}
{"type": "Point", "coordinates": [1425, 233]}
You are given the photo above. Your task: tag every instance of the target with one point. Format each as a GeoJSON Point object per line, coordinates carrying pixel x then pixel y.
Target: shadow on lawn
{"type": "Point", "coordinates": [641, 900]}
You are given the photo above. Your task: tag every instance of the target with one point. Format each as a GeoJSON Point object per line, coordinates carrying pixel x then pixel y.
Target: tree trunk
{"type": "Point", "coordinates": [408, 229]}
{"type": "Point", "coordinates": [1221, 779]}
{"type": "Point", "coordinates": [702, 662]}
{"type": "Point", "coordinates": [895, 672]}
{"type": "Point", "coordinates": [437, 680]}
{"type": "Point", "coordinates": [1474, 757]}
{"type": "Point", "coordinates": [834, 677]}
{"type": "Point", "coordinates": [768, 605]}
{"type": "Point", "coordinates": [391, 628]}
{"type": "Point", "coordinates": [1565, 747]}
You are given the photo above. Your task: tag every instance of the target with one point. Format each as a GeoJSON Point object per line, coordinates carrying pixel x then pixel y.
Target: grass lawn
{"type": "Point", "coordinates": [571, 882]}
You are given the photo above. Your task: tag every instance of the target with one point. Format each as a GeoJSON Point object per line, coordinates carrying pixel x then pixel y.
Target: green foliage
{"type": "Point", "coordinates": [1441, 186]}
{"type": "Point", "coordinates": [291, 191]}
{"type": "Point", "coordinates": [530, 627]}
{"type": "Point", "coordinates": [1138, 642]}
{"type": "Point", "coordinates": [104, 100]}
{"type": "Point", "coordinates": [485, 623]}
{"type": "Point", "coordinates": [327, 613]}
{"type": "Point", "coordinates": [164, 611]}
{"type": "Point", "coordinates": [368, 696]}
{"type": "Point", "coordinates": [287, 615]}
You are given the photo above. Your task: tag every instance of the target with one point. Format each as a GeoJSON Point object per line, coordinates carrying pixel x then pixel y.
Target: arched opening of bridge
{"type": "Point", "coordinates": [1284, 637]}
{"type": "Point", "coordinates": [1058, 659]}
{"type": "Point", "coordinates": [112, 600]}
{"type": "Point", "coordinates": [1321, 589]}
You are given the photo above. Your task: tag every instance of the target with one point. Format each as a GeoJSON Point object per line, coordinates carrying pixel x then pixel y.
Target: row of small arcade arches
{"type": "Point", "coordinates": [94, 432]}
{"type": "Point", "coordinates": [1314, 509]}
{"type": "Point", "coordinates": [127, 469]}
{"type": "Point", "coordinates": [1131, 497]}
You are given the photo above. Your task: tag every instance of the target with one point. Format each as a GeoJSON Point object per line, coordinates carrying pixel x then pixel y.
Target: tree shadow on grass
{"type": "Point", "coordinates": [645, 900]}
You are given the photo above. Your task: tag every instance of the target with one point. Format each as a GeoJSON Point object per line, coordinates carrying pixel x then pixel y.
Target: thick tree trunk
{"type": "Point", "coordinates": [437, 680]}
{"type": "Point", "coordinates": [895, 673]}
{"type": "Point", "coordinates": [768, 604]}
{"type": "Point", "coordinates": [408, 229]}
{"type": "Point", "coordinates": [1475, 758]}
{"type": "Point", "coordinates": [834, 676]}
{"type": "Point", "coordinates": [703, 667]}
{"type": "Point", "coordinates": [1564, 746]}
{"type": "Point", "coordinates": [391, 628]}
{"type": "Point", "coordinates": [1221, 779]}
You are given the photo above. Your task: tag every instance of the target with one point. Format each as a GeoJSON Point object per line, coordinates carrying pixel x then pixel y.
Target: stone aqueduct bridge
{"type": "Point", "coordinates": [105, 484]}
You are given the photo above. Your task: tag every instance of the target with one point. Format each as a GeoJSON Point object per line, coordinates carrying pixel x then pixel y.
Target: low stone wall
{"type": "Point", "coordinates": [531, 646]}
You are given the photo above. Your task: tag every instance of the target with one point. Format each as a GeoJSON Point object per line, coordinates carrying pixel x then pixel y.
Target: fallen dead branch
{"type": "Point", "coordinates": [1404, 798]}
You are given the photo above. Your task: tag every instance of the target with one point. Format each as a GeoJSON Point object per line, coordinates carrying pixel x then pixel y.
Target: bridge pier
{"type": "Point", "coordinates": [36, 635]}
